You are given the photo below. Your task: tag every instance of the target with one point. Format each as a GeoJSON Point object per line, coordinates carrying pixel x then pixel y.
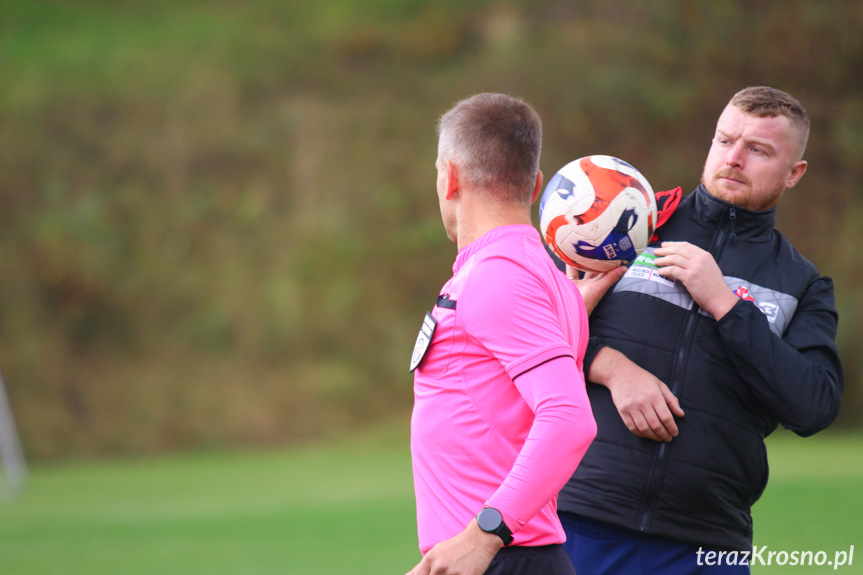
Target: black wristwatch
{"type": "Point", "coordinates": [491, 521]}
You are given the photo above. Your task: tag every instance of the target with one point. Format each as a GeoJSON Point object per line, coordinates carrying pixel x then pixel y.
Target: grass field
{"type": "Point", "coordinates": [813, 501]}
{"type": "Point", "coordinates": [340, 508]}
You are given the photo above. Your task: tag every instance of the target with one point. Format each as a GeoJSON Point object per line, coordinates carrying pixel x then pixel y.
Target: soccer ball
{"type": "Point", "coordinates": [597, 213]}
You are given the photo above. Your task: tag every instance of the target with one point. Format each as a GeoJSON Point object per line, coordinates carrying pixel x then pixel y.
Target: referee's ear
{"type": "Point", "coordinates": [538, 187]}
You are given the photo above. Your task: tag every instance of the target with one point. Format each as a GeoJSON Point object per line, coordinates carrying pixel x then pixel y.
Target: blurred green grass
{"type": "Point", "coordinates": [813, 500]}
{"type": "Point", "coordinates": [342, 507]}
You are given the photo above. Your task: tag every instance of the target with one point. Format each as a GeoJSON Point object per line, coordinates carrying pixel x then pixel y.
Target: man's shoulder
{"type": "Point", "coordinates": [786, 252]}
{"type": "Point", "coordinates": [515, 263]}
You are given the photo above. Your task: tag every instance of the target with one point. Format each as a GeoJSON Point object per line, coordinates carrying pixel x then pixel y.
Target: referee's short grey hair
{"type": "Point", "coordinates": [495, 141]}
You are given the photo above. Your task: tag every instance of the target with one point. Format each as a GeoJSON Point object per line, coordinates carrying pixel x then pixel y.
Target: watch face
{"type": "Point", "coordinates": [489, 519]}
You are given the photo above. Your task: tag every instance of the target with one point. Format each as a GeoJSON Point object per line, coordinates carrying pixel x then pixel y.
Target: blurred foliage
{"type": "Point", "coordinates": [217, 219]}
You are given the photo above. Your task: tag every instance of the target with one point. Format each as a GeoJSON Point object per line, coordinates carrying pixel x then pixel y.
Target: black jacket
{"type": "Point", "coordinates": [771, 359]}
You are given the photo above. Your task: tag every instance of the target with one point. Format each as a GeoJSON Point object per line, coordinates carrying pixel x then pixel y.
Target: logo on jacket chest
{"type": "Point", "coordinates": [643, 268]}
{"type": "Point", "coordinates": [770, 310]}
{"type": "Point", "coordinates": [642, 277]}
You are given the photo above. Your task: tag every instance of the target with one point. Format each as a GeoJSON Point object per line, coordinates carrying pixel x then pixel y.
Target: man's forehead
{"type": "Point", "coordinates": [733, 118]}
{"type": "Point", "coordinates": [771, 129]}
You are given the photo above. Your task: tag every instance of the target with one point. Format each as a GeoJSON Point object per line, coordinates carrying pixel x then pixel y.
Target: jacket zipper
{"type": "Point", "coordinates": [653, 481]}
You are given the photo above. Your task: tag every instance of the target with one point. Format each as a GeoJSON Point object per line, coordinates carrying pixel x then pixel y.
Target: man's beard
{"type": "Point", "coordinates": [741, 195]}
{"type": "Point", "coordinates": [713, 186]}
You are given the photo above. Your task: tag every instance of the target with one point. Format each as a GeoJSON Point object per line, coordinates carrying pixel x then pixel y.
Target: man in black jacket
{"type": "Point", "coordinates": [719, 332]}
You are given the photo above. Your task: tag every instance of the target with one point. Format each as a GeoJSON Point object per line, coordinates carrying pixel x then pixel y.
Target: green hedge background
{"type": "Point", "coordinates": [218, 224]}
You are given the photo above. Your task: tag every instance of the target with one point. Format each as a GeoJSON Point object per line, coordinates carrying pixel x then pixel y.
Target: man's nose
{"type": "Point", "coordinates": [735, 156]}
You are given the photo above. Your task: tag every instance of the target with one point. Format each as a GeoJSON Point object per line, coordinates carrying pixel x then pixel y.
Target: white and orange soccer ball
{"type": "Point", "coordinates": [597, 212]}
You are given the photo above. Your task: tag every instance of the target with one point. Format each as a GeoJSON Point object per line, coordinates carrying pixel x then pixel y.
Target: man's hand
{"type": "Point", "coordinates": [699, 273]}
{"type": "Point", "coordinates": [468, 553]}
{"type": "Point", "coordinates": [594, 284]}
{"type": "Point", "coordinates": [645, 403]}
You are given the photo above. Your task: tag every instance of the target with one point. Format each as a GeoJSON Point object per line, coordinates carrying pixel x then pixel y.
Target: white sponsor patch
{"type": "Point", "coordinates": [649, 274]}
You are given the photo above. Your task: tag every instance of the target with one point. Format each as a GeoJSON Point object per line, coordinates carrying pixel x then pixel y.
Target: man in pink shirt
{"type": "Point", "coordinates": [501, 418]}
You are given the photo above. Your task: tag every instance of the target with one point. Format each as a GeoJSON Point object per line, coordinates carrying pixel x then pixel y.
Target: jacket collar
{"type": "Point", "coordinates": [712, 211]}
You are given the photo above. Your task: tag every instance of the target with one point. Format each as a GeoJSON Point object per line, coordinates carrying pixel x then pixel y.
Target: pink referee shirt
{"type": "Point", "coordinates": [485, 429]}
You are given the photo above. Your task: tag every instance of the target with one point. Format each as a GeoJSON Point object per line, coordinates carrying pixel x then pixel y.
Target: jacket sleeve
{"type": "Point", "coordinates": [594, 344]}
{"type": "Point", "coordinates": [797, 377]}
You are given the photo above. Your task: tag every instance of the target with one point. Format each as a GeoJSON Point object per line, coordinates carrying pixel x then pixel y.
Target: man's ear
{"type": "Point", "coordinates": [797, 171]}
{"type": "Point", "coordinates": [453, 183]}
{"type": "Point", "coordinates": [538, 188]}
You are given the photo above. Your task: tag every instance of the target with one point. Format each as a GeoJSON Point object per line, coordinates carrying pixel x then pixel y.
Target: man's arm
{"type": "Point", "coordinates": [593, 285]}
{"type": "Point", "coordinates": [798, 376]}
{"type": "Point", "coordinates": [645, 403]}
{"type": "Point", "coordinates": [696, 269]}
{"type": "Point", "coordinates": [470, 552]}
{"type": "Point", "coordinates": [562, 430]}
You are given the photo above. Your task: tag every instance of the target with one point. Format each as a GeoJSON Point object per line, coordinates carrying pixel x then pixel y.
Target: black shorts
{"type": "Point", "coordinates": [545, 560]}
